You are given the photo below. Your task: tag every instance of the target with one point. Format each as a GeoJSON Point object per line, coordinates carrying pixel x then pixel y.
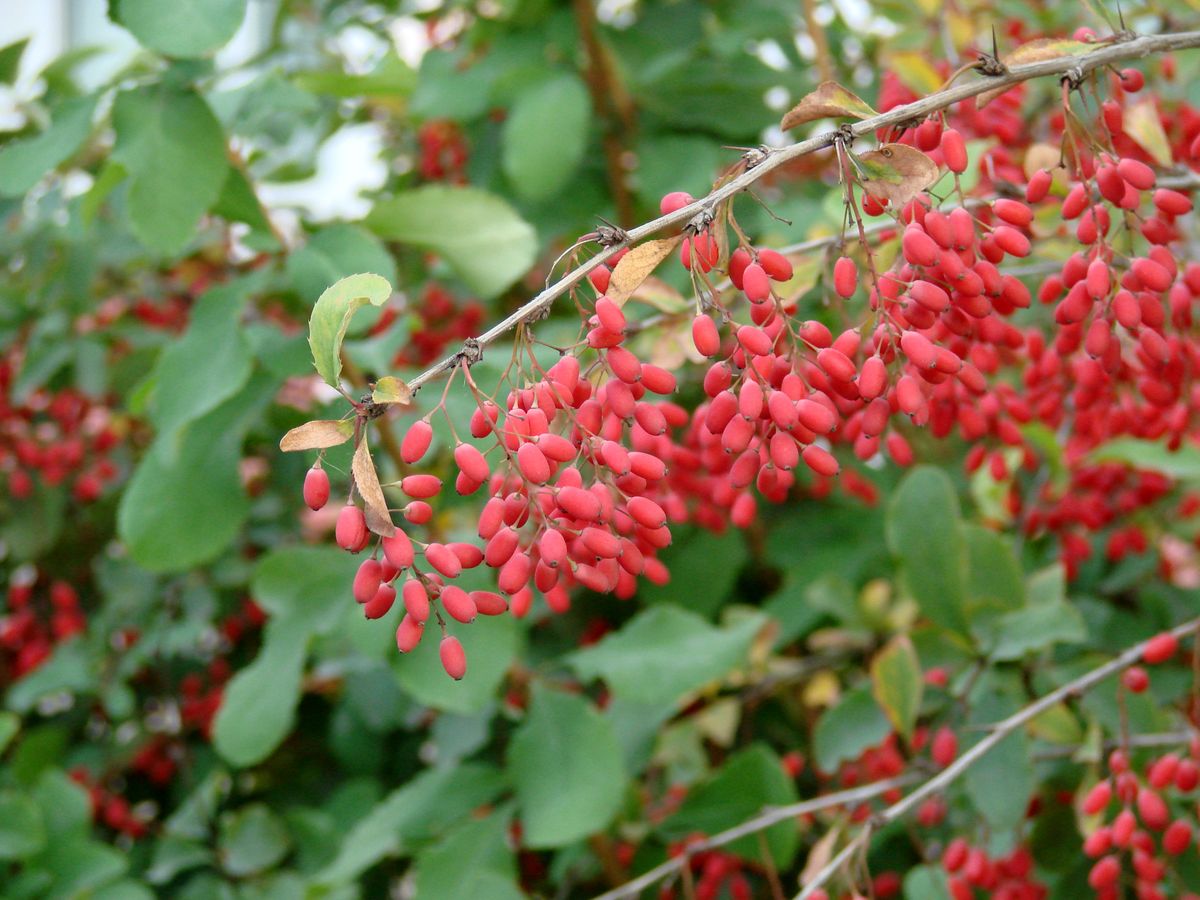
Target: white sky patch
{"type": "Point", "coordinates": [348, 164]}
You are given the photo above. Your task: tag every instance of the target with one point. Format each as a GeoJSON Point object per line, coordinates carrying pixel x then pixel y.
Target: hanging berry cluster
{"type": "Point", "coordinates": [586, 463]}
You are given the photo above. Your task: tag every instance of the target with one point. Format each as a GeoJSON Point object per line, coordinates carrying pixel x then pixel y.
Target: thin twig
{"type": "Point", "coordinates": [1105, 55]}
{"type": "Point", "coordinates": [999, 732]}
{"type": "Point", "coordinates": [772, 815]}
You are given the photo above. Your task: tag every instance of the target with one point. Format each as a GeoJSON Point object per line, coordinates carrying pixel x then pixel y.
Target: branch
{"type": "Point", "coordinates": [773, 158]}
{"type": "Point", "coordinates": [770, 816]}
{"type": "Point", "coordinates": [998, 733]}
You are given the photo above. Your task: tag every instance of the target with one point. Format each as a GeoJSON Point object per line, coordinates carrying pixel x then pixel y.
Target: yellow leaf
{"type": "Point", "coordinates": [719, 721]}
{"type": "Point", "coordinates": [317, 435]}
{"type": "Point", "coordinates": [379, 520]}
{"type": "Point", "coordinates": [636, 266]}
{"type": "Point", "coordinates": [1144, 125]}
{"type": "Point", "coordinates": [822, 689]}
{"type": "Point", "coordinates": [820, 855]}
{"type": "Point", "coordinates": [829, 101]}
{"type": "Point", "coordinates": [914, 70]}
{"type": "Point", "coordinates": [390, 389]}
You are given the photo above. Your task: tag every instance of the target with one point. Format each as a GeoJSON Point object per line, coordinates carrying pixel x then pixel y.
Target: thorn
{"type": "Point", "coordinates": [995, 52]}
{"type": "Point", "coordinates": [1121, 16]}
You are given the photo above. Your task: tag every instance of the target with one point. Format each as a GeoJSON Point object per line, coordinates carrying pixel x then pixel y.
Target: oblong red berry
{"type": "Point", "coordinates": [706, 336]}
{"type": "Point", "coordinates": [944, 747]}
{"type": "Point", "coordinates": [1097, 798]}
{"type": "Point", "coordinates": [489, 603]}
{"type": "Point", "coordinates": [1160, 648]}
{"type": "Point", "coordinates": [351, 530]}
{"type": "Point", "coordinates": [471, 462]}
{"type": "Point", "coordinates": [533, 463]}
{"type": "Point", "coordinates": [398, 550]}
{"type": "Point", "coordinates": [845, 277]}
{"type": "Point", "coordinates": [408, 634]}
{"type": "Point", "coordinates": [443, 559]}
{"type": "Point", "coordinates": [755, 283]}
{"type": "Point", "coordinates": [416, 441]}
{"type": "Point", "coordinates": [954, 151]}
{"type": "Point", "coordinates": [458, 603]}
{"type": "Point", "coordinates": [775, 264]}
{"type": "Point", "coordinates": [453, 656]}
{"type": "Point", "coordinates": [416, 599]}
{"type": "Point", "coordinates": [316, 488]}
{"type": "Point", "coordinates": [646, 512]}
{"type": "Point", "coordinates": [1038, 186]}
{"type": "Point", "coordinates": [820, 460]}
{"type": "Point", "coordinates": [421, 487]}
{"type": "Point", "coordinates": [610, 315]}
{"type": "Point", "coordinates": [380, 604]}
{"type": "Point", "coordinates": [367, 580]}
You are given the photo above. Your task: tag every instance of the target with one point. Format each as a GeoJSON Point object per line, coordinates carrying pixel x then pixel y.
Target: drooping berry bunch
{"type": "Point", "coordinates": [586, 462]}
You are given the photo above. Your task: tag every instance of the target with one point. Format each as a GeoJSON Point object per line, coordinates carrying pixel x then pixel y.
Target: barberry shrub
{"type": "Point", "coordinates": [653, 517]}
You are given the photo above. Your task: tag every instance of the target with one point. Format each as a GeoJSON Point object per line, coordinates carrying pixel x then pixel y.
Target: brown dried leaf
{"type": "Point", "coordinates": [895, 172]}
{"type": "Point", "coordinates": [1031, 52]}
{"type": "Point", "coordinates": [820, 855]}
{"type": "Point", "coordinates": [1144, 125]}
{"type": "Point", "coordinates": [829, 101]}
{"type": "Point", "coordinates": [317, 435]}
{"type": "Point", "coordinates": [636, 266]}
{"type": "Point", "coordinates": [390, 389]}
{"type": "Point", "coordinates": [379, 520]}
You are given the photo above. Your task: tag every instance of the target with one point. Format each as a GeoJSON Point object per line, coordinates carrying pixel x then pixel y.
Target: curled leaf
{"type": "Point", "coordinates": [317, 435]}
{"type": "Point", "coordinates": [1031, 52]}
{"type": "Point", "coordinates": [636, 266]}
{"type": "Point", "coordinates": [1144, 125]}
{"type": "Point", "coordinates": [829, 101]}
{"type": "Point", "coordinates": [895, 172]}
{"type": "Point", "coordinates": [331, 317]}
{"type": "Point", "coordinates": [379, 520]}
{"type": "Point", "coordinates": [390, 389]}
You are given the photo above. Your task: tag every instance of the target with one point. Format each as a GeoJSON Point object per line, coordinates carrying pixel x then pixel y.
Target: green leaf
{"type": "Point", "coordinates": [23, 162]}
{"type": "Point", "coordinates": [926, 883]}
{"type": "Point", "coordinates": [185, 28]}
{"type": "Point", "coordinates": [1034, 628]}
{"type": "Point", "coordinates": [173, 855]}
{"type": "Point", "coordinates": [474, 860]}
{"type": "Point", "coordinates": [1001, 782]}
{"type": "Point", "coordinates": [392, 78]}
{"type": "Point", "coordinates": [490, 643]}
{"type": "Point", "coordinates": [664, 652]}
{"type": "Point", "coordinates": [174, 150]}
{"type": "Point", "coordinates": [331, 317]}
{"type": "Point", "coordinates": [81, 865]}
{"type": "Point", "coordinates": [185, 502]}
{"type": "Point", "coordinates": [10, 60]}
{"type": "Point", "coordinates": [846, 730]}
{"type": "Point", "coordinates": [306, 586]}
{"type": "Point", "coordinates": [258, 709]}
{"type": "Point", "coordinates": [22, 832]}
{"type": "Point", "coordinates": [10, 724]}
{"type": "Point", "coordinates": [209, 364]}
{"type": "Point", "coordinates": [336, 252]}
{"type": "Point", "coordinates": [545, 136]}
{"type": "Point", "coordinates": [1183, 463]}
{"type": "Point", "coordinates": [994, 575]}
{"type": "Point", "coordinates": [897, 683]}
{"type": "Point", "coordinates": [238, 202]}
{"type": "Point", "coordinates": [414, 812]}
{"type": "Point", "coordinates": [68, 669]}
{"type": "Point", "coordinates": [477, 233]}
{"type": "Point", "coordinates": [566, 767]}
{"type": "Point", "coordinates": [749, 780]}
{"type": "Point", "coordinates": [66, 806]}
{"type": "Point", "coordinates": [924, 530]}
{"type": "Point", "coordinates": [251, 840]}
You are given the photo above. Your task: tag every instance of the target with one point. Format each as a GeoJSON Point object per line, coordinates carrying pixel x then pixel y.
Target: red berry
{"type": "Point", "coordinates": [845, 277]}
{"type": "Point", "coordinates": [454, 658]}
{"type": "Point", "coordinates": [351, 530]}
{"type": "Point", "coordinates": [1132, 80]}
{"type": "Point", "coordinates": [1160, 648]}
{"type": "Point", "coordinates": [416, 441]}
{"type": "Point", "coordinates": [1136, 679]}
{"type": "Point", "coordinates": [954, 151]}
{"type": "Point", "coordinates": [316, 488]}
{"type": "Point", "coordinates": [944, 748]}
